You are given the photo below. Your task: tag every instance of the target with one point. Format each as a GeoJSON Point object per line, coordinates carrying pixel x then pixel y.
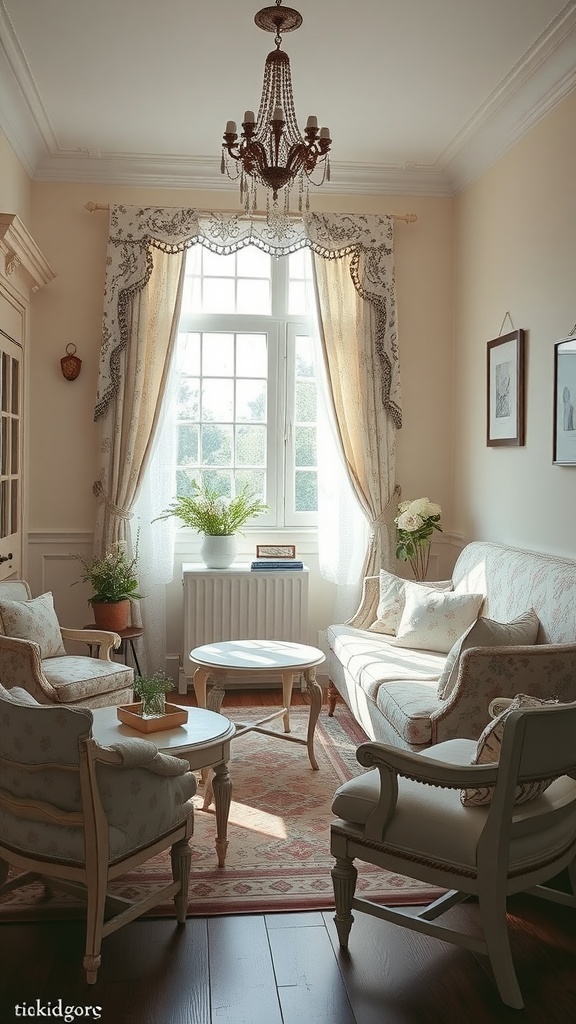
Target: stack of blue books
{"type": "Point", "coordinates": [263, 564]}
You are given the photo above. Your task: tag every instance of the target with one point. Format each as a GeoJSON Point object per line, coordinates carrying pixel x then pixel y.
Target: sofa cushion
{"type": "Point", "coordinates": [393, 598]}
{"type": "Point", "coordinates": [433, 620]}
{"type": "Point", "coordinates": [488, 752]}
{"type": "Point", "coordinates": [372, 660]}
{"type": "Point", "coordinates": [487, 633]}
{"type": "Point", "coordinates": [33, 620]}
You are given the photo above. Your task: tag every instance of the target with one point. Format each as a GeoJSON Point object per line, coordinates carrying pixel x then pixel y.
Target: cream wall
{"type": "Point", "coordinates": [514, 251]}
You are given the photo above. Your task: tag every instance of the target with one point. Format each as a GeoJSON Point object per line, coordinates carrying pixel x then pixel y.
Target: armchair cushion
{"type": "Point", "coordinates": [434, 620]}
{"type": "Point", "coordinates": [487, 633]}
{"type": "Point", "coordinates": [488, 752]}
{"type": "Point", "coordinates": [33, 620]}
{"type": "Point", "coordinates": [393, 598]}
{"type": "Point", "coordinates": [80, 678]}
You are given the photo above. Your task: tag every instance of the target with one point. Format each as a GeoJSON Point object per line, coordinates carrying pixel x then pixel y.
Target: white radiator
{"type": "Point", "coordinates": [237, 604]}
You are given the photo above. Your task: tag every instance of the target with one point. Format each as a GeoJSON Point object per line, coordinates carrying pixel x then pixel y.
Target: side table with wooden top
{"type": "Point", "coordinates": [127, 638]}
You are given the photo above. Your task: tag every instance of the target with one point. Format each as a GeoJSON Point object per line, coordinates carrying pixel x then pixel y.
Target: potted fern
{"type": "Point", "coordinates": [218, 518]}
{"type": "Point", "coordinates": [114, 582]}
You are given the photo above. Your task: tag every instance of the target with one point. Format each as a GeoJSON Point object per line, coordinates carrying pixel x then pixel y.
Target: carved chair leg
{"type": "Point", "coordinates": [96, 902]}
{"type": "Point", "coordinates": [181, 858]}
{"type": "Point", "coordinates": [493, 913]}
{"type": "Point", "coordinates": [344, 876]}
{"type": "Point", "coordinates": [332, 698]}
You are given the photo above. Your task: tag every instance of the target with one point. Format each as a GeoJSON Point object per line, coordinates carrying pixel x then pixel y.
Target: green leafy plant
{"type": "Point", "coordinates": [415, 524]}
{"type": "Point", "coordinates": [112, 578]}
{"type": "Point", "coordinates": [211, 513]}
{"type": "Point", "coordinates": [152, 690]}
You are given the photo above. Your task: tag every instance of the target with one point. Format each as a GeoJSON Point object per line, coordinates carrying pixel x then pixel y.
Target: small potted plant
{"type": "Point", "coordinates": [218, 518]}
{"type": "Point", "coordinates": [115, 583]}
{"type": "Point", "coordinates": [152, 691]}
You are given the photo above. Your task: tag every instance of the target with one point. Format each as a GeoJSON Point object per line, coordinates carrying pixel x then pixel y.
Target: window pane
{"type": "Point", "coordinates": [219, 295]}
{"type": "Point", "coordinates": [253, 297]}
{"type": "Point", "coordinates": [255, 479]}
{"type": "Point", "coordinates": [188, 354]}
{"type": "Point", "coordinates": [214, 264]}
{"type": "Point", "coordinates": [251, 446]}
{"type": "Point", "coordinates": [306, 401]}
{"type": "Point", "coordinates": [219, 481]}
{"type": "Point", "coordinates": [251, 400]}
{"type": "Point", "coordinates": [251, 355]}
{"type": "Point", "coordinates": [297, 263]}
{"type": "Point", "coordinates": [218, 400]}
{"type": "Point", "coordinates": [189, 398]}
{"type": "Point", "coordinates": [253, 262]}
{"type": "Point", "coordinates": [297, 298]}
{"type": "Point", "coordinates": [304, 356]}
{"type": "Point", "coordinates": [306, 486]}
{"type": "Point", "coordinates": [184, 479]}
{"type": "Point", "coordinates": [305, 446]}
{"type": "Point", "coordinates": [218, 355]}
{"type": "Point", "coordinates": [188, 445]}
{"type": "Point", "coordinates": [216, 445]}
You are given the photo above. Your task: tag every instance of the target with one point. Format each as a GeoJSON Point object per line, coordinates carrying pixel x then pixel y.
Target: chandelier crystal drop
{"type": "Point", "coordinates": [270, 150]}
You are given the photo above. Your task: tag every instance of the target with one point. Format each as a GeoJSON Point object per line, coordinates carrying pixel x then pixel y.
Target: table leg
{"type": "Point", "coordinates": [315, 691]}
{"type": "Point", "coordinates": [222, 787]}
{"type": "Point", "coordinates": [199, 680]}
{"type": "Point", "coordinates": [287, 684]}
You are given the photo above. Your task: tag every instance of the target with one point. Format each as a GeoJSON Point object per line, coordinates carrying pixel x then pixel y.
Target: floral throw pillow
{"type": "Point", "coordinates": [488, 752]}
{"type": "Point", "coordinates": [433, 620]}
{"type": "Point", "coordinates": [393, 599]}
{"type": "Point", "coordinates": [33, 620]}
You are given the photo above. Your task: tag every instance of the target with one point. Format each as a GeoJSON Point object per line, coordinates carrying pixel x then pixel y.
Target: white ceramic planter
{"type": "Point", "coordinates": [218, 552]}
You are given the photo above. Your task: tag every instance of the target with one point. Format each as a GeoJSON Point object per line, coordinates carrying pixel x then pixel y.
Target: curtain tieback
{"type": "Point", "coordinates": [120, 513]}
{"type": "Point", "coordinates": [388, 513]}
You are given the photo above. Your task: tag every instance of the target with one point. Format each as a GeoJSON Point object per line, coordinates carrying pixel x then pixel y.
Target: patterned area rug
{"type": "Point", "coordinates": [279, 833]}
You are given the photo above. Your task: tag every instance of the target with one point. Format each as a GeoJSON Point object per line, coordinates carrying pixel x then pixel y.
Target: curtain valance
{"type": "Point", "coordinates": [136, 231]}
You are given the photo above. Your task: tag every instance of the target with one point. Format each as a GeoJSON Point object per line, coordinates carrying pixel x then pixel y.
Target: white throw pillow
{"type": "Point", "coordinates": [487, 633]}
{"type": "Point", "coordinates": [488, 752]}
{"type": "Point", "coordinates": [34, 620]}
{"type": "Point", "coordinates": [433, 620]}
{"type": "Point", "coordinates": [393, 599]}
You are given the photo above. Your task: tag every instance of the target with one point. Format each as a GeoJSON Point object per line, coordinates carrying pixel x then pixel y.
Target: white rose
{"type": "Point", "coordinates": [433, 510]}
{"type": "Point", "coordinates": [403, 506]}
{"type": "Point", "coordinates": [418, 506]}
{"type": "Point", "coordinates": [409, 522]}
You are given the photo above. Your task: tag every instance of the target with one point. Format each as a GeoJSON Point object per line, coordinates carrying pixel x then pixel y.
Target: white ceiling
{"type": "Point", "coordinates": [420, 96]}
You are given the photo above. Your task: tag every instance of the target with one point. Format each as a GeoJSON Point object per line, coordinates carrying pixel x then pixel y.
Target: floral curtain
{"type": "Point", "coordinates": [355, 272]}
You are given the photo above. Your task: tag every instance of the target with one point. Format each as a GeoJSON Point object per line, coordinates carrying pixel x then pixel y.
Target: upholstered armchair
{"type": "Point", "coordinates": [456, 817]}
{"type": "Point", "coordinates": [79, 815]}
{"type": "Point", "coordinates": [33, 656]}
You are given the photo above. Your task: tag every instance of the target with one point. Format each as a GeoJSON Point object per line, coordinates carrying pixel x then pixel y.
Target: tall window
{"type": "Point", "coordinates": [247, 406]}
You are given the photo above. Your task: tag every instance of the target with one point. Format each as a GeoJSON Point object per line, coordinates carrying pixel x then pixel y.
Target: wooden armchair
{"type": "Point", "coordinates": [33, 656]}
{"type": "Point", "coordinates": [408, 816]}
{"type": "Point", "coordinates": [79, 815]}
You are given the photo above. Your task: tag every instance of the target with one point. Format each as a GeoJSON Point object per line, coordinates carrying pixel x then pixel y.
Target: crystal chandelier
{"type": "Point", "coordinates": [271, 150]}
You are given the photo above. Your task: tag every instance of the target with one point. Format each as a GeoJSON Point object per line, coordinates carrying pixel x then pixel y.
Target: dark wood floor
{"type": "Point", "coordinates": [286, 969]}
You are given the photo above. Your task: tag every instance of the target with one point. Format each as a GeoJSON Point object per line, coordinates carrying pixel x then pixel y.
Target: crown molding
{"type": "Point", "coordinates": [20, 250]}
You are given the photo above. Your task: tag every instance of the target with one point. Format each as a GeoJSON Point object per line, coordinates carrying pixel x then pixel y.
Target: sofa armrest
{"type": "Point", "coordinates": [103, 640]}
{"type": "Point", "coordinates": [21, 665]}
{"type": "Point", "coordinates": [540, 670]}
{"type": "Point", "coordinates": [366, 613]}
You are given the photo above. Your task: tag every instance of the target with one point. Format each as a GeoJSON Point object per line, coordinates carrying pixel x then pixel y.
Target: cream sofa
{"type": "Point", "coordinates": [393, 691]}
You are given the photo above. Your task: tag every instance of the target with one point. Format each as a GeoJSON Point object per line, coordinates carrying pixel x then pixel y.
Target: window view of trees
{"type": "Point", "coordinates": [247, 403]}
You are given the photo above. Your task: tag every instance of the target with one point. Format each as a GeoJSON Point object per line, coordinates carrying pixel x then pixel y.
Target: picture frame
{"type": "Point", "coordinates": [564, 451]}
{"type": "Point", "coordinates": [505, 391]}
{"type": "Point", "coordinates": [275, 551]}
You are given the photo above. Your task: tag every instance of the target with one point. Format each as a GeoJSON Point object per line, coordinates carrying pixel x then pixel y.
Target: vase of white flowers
{"type": "Point", "coordinates": [415, 524]}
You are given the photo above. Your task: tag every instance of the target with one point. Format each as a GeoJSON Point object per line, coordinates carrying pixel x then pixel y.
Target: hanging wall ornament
{"type": "Point", "coordinates": [70, 363]}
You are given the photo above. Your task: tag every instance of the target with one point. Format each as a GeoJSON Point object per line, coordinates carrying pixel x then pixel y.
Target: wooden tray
{"type": "Point", "coordinates": [130, 714]}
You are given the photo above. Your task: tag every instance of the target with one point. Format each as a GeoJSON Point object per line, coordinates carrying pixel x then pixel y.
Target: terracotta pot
{"type": "Point", "coordinates": [111, 615]}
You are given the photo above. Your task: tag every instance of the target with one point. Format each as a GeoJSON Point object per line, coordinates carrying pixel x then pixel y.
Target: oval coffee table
{"type": "Point", "coordinates": [218, 662]}
{"type": "Point", "coordinates": [204, 741]}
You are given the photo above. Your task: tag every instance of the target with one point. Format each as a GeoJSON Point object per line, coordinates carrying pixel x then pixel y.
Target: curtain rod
{"type": "Point", "coordinates": [409, 218]}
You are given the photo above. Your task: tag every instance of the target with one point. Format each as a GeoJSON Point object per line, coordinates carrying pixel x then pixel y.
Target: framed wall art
{"type": "Point", "coordinates": [505, 390]}
{"type": "Point", "coordinates": [565, 402]}
{"type": "Point", "coordinates": [275, 551]}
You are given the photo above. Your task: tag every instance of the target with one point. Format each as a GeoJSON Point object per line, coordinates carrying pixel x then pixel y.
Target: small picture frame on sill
{"type": "Point", "coordinates": [275, 551]}
{"type": "Point", "coordinates": [505, 391]}
{"type": "Point", "coordinates": [565, 402]}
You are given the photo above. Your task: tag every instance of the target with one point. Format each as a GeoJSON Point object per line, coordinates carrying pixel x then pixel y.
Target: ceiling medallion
{"type": "Point", "coordinates": [270, 150]}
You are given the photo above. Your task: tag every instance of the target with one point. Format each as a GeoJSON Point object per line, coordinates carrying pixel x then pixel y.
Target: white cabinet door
{"type": "Point", "coordinates": [11, 454]}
